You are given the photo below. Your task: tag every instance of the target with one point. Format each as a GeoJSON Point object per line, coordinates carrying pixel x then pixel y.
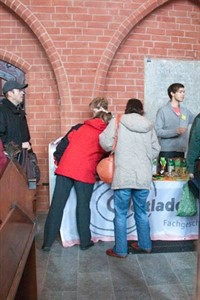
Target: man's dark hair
{"type": "Point", "coordinates": [134, 106]}
{"type": "Point", "coordinates": [173, 88]}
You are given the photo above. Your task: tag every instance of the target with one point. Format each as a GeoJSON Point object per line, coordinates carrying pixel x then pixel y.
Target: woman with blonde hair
{"type": "Point", "coordinates": [77, 168]}
{"type": "Point", "coordinates": [99, 104]}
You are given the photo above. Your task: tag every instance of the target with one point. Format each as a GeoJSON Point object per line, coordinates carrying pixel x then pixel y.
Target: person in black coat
{"type": "Point", "coordinates": [13, 122]}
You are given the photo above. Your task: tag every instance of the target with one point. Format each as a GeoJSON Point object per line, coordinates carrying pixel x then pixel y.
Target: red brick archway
{"type": "Point", "coordinates": [15, 60]}
{"type": "Point", "coordinates": [42, 35]}
{"type": "Point", "coordinates": [120, 34]}
{"type": "Point", "coordinates": [40, 32]}
{"type": "Point", "coordinates": [129, 23]}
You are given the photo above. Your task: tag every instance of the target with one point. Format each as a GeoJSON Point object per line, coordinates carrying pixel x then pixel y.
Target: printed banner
{"type": "Point", "coordinates": [161, 206]}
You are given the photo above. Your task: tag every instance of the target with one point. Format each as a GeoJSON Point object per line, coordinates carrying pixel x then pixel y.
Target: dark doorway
{"type": "Point", "coordinates": [9, 72]}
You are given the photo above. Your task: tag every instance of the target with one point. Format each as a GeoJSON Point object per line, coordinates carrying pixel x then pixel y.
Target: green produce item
{"type": "Point", "coordinates": [163, 161]}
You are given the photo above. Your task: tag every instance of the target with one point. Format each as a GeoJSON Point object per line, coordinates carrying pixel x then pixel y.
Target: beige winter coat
{"type": "Point", "coordinates": [136, 148]}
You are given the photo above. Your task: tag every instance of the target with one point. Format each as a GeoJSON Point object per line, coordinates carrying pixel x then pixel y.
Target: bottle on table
{"type": "Point", "coordinates": [154, 167]}
{"type": "Point", "coordinates": [163, 163]}
{"type": "Point", "coordinates": [177, 166]}
{"type": "Point", "coordinates": [170, 166]}
{"type": "Point", "coordinates": [183, 167]}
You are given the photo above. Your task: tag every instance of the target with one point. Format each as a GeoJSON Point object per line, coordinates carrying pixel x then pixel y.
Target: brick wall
{"type": "Point", "coordinates": [72, 51]}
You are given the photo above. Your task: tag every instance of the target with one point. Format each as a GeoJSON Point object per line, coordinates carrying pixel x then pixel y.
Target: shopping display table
{"type": "Point", "coordinates": [161, 205]}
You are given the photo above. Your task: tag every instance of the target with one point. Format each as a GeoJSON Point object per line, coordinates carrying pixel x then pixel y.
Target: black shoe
{"type": "Point", "coordinates": [88, 246]}
{"type": "Point", "coordinates": [46, 248]}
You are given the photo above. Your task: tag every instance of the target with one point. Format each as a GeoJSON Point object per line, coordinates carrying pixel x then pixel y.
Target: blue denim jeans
{"type": "Point", "coordinates": [122, 200]}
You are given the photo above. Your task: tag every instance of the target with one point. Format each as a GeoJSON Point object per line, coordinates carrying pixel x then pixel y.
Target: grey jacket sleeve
{"type": "Point", "coordinates": [159, 126]}
{"type": "Point", "coordinates": [155, 145]}
{"type": "Point", "coordinates": [106, 138]}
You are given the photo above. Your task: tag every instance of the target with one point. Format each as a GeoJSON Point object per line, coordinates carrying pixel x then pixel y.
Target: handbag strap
{"type": "Point", "coordinates": [118, 117]}
{"type": "Point", "coordinates": [24, 162]}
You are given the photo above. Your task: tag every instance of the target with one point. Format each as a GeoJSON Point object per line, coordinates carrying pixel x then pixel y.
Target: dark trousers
{"type": "Point", "coordinates": [54, 218]}
{"type": "Point", "coordinates": [171, 154]}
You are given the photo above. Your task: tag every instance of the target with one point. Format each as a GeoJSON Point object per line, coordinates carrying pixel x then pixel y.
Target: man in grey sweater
{"type": "Point", "coordinates": [172, 121]}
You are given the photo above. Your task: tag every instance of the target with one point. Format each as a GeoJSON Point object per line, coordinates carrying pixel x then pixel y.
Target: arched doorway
{"type": "Point", "coordinates": [9, 72]}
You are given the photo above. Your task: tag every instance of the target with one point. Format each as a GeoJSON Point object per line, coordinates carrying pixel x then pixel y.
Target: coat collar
{"type": "Point", "coordinates": [15, 109]}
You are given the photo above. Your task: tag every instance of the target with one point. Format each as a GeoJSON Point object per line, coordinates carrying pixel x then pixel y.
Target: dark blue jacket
{"type": "Point", "coordinates": [64, 142]}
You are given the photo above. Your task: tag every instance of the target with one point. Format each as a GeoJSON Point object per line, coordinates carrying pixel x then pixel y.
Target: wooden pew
{"type": "Point", "coordinates": [17, 256]}
{"type": "Point", "coordinates": [17, 232]}
{"type": "Point", "coordinates": [14, 188]}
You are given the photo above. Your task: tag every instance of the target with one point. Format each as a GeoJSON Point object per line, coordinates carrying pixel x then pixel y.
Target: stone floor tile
{"type": "Point", "coordinates": [69, 273]}
{"type": "Point", "coordinates": [126, 272]}
{"type": "Point", "coordinates": [60, 281]}
{"type": "Point", "coordinates": [168, 292]}
{"type": "Point", "coordinates": [181, 260]}
{"type": "Point", "coordinates": [93, 260]}
{"type": "Point", "coordinates": [186, 276]}
{"type": "Point", "coordinates": [50, 295]}
{"type": "Point", "coordinates": [156, 269]}
{"type": "Point", "coordinates": [95, 286]}
{"type": "Point", "coordinates": [129, 293]}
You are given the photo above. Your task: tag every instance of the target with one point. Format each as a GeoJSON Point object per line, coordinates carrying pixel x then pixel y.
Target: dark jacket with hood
{"type": "Point", "coordinates": [64, 142]}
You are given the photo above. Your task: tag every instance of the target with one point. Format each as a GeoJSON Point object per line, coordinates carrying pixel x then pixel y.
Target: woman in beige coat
{"type": "Point", "coordinates": [137, 146]}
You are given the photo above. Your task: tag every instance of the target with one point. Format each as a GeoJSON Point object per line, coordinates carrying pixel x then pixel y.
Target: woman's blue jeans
{"type": "Point", "coordinates": [122, 200]}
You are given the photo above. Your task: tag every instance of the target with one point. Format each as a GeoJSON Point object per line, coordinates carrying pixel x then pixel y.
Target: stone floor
{"type": "Point", "coordinates": [73, 274]}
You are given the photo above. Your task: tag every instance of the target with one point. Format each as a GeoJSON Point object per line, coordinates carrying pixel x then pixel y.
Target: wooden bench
{"type": "Point", "coordinates": [14, 189]}
{"type": "Point", "coordinates": [17, 256]}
